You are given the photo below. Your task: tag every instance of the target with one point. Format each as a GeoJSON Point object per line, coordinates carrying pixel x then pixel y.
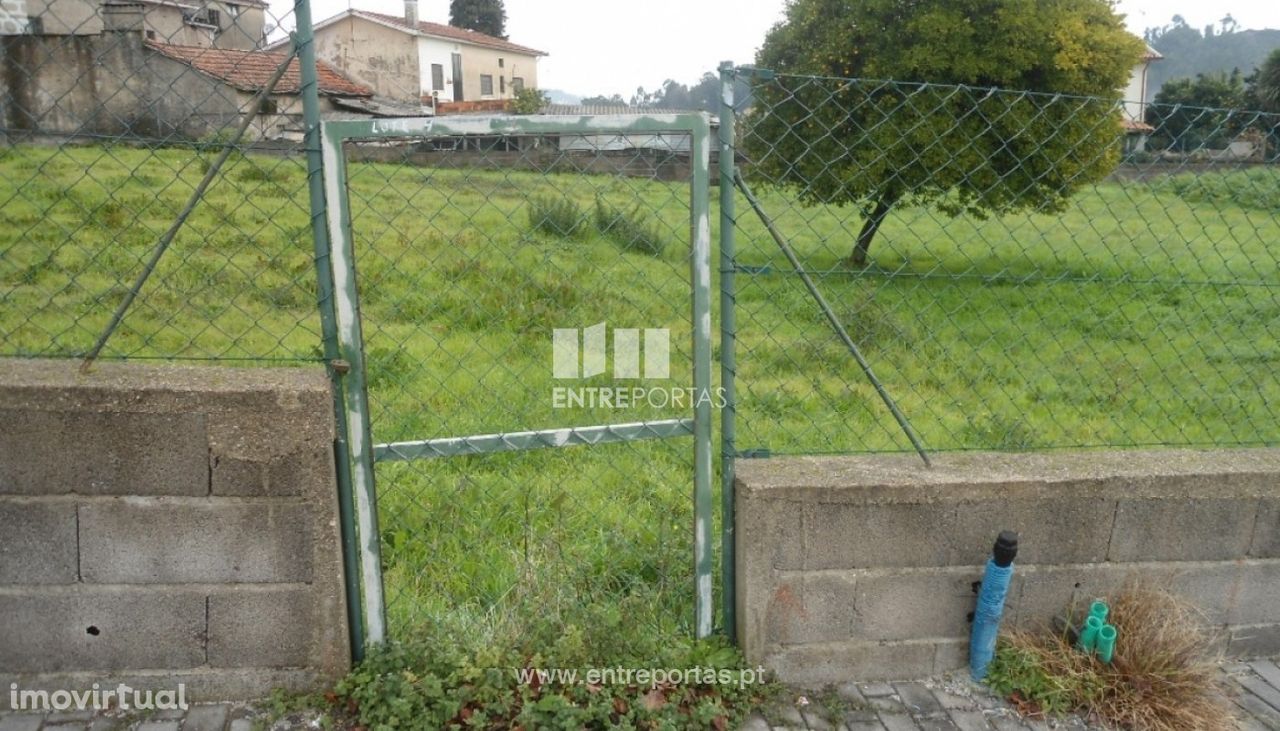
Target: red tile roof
{"type": "Point", "coordinates": [1132, 125]}
{"type": "Point", "coordinates": [251, 70]}
{"type": "Point", "coordinates": [462, 35]}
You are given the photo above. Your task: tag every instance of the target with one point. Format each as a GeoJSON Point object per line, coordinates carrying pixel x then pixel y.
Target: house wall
{"type": "Point", "coordinates": [384, 59]}
{"type": "Point", "coordinates": [1135, 94]}
{"type": "Point", "coordinates": [53, 86]}
{"type": "Point", "coordinates": [165, 21]}
{"type": "Point", "coordinates": [166, 525]}
{"type": "Point", "coordinates": [866, 567]}
{"type": "Point", "coordinates": [476, 61]}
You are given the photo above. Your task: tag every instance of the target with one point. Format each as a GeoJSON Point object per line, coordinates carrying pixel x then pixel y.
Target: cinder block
{"type": "Point", "coordinates": [231, 476]}
{"type": "Point", "coordinates": [103, 453]}
{"type": "Point", "coordinates": [148, 542]}
{"type": "Point", "coordinates": [950, 655]}
{"type": "Point", "coordinates": [260, 628]}
{"type": "Point", "coordinates": [942, 532]}
{"type": "Point", "coordinates": [1257, 640]}
{"type": "Point", "coordinates": [1039, 593]}
{"type": "Point", "coordinates": [1258, 601]}
{"type": "Point", "coordinates": [814, 666]}
{"type": "Point", "coordinates": [779, 521]}
{"type": "Point", "coordinates": [101, 630]}
{"type": "Point", "coordinates": [1183, 529]}
{"type": "Point", "coordinates": [812, 608]}
{"type": "Point", "coordinates": [37, 543]}
{"type": "Point", "coordinates": [299, 473]}
{"type": "Point", "coordinates": [1266, 530]}
{"type": "Point", "coordinates": [914, 605]}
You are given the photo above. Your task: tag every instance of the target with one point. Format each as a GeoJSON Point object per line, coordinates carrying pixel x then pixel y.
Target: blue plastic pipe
{"type": "Point", "coordinates": [986, 618]}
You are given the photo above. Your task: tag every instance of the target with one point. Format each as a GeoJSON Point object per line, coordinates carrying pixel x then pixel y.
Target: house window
{"type": "Point", "coordinates": [151, 35]}
{"type": "Point", "coordinates": [35, 25]}
{"type": "Point", "coordinates": [502, 84]}
{"type": "Point", "coordinates": [501, 63]}
{"type": "Point", "coordinates": [437, 77]}
{"type": "Point", "coordinates": [486, 85]}
{"type": "Point", "coordinates": [517, 84]}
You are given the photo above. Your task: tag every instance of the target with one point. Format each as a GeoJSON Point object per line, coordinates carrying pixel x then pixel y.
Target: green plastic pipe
{"type": "Point", "coordinates": [1106, 642]}
{"type": "Point", "coordinates": [1089, 634]}
{"type": "Point", "coordinates": [1099, 609]}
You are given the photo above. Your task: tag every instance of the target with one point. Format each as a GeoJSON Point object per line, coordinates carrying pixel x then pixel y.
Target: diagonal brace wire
{"type": "Point", "coordinates": [831, 318]}
{"type": "Point", "coordinates": [255, 105]}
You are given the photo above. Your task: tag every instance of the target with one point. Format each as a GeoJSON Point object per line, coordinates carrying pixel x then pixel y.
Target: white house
{"type": "Point", "coordinates": [1135, 103]}
{"type": "Point", "coordinates": [410, 60]}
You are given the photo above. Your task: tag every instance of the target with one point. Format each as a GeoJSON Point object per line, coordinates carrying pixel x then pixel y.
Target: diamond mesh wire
{"type": "Point", "coordinates": [1051, 271]}
{"type": "Point", "coordinates": [110, 115]}
{"type": "Point", "coordinates": [471, 250]}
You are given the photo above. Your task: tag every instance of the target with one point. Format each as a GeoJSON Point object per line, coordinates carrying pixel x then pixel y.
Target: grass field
{"type": "Point", "coordinates": [1148, 313]}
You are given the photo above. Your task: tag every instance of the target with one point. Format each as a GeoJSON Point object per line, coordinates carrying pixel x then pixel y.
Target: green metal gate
{"type": "Point", "coordinates": [451, 198]}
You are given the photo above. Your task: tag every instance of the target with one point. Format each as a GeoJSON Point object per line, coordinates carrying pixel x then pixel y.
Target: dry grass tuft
{"type": "Point", "coordinates": [1162, 678]}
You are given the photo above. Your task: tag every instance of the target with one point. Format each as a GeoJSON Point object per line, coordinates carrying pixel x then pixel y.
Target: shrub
{"type": "Point", "coordinates": [1162, 677]}
{"type": "Point", "coordinates": [629, 229]}
{"type": "Point", "coordinates": [557, 216]}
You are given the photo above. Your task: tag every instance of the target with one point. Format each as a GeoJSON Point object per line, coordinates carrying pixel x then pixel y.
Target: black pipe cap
{"type": "Point", "coordinates": [1006, 548]}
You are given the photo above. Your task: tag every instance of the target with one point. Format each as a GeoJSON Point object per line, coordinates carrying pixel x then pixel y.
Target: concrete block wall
{"type": "Point", "coordinates": [163, 525]}
{"type": "Point", "coordinates": [867, 567]}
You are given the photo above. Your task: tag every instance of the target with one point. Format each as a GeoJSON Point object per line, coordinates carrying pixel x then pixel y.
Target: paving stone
{"type": "Point", "coordinates": [862, 718]}
{"type": "Point", "coordinates": [206, 718]}
{"type": "Point", "coordinates": [66, 716]}
{"type": "Point", "coordinates": [241, 724]}
{"type": "Point", "coordinates": [107, 723]}
{"type": "Point", "coordinates": [873, 724]}
{"type": "Point", "coordinates": [850, 694]}
{"type": "Point", "coordinates": [65, 726]}
{"type": "Point", "coordinates": [940, 723]}
{"type": "Point", "coordinates": [1264, 691]}
{"type": "Point", "coordinates": [872, 690]}
{"type": "Point", "coordinates": [898, 722]}
{"type": "Point", "coordinates": [755, 722]}
{"type": "Point", "coordinates": [1258, 711]}
{"type": "Point", "coordinates": [969, 720]}
{"type": "Point", "coordinates": [1004, 723]}
{"type": "Point", "coordinates": [954, 701]}
{"type": "Point", "coordinates": [20, 721]}
{"type": "Point", "coordinates": [918, 699]}
{"type": "Point", "coordinates": [783, 714]}
{"type": "Point", "coordinates": [815, 719]}
{"type": "Point", "coordinates": [1268, 671]}
{"type": "Point", "coordinates": [166, 725]}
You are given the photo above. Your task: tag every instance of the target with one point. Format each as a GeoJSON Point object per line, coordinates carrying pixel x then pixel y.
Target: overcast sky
{"type": "Point", "coordinates": [613, 46]}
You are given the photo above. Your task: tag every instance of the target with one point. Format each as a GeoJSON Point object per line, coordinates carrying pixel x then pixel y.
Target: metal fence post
{"type": "Point", "coordinates": [728, 368]}
{"type": "Point", "coordinates": [700, 274]}
{"type": "Point", "coordinates": [304, 43]}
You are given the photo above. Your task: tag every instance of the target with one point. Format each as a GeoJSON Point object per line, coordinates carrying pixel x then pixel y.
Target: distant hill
{"type": "Point", "coordinates": [1189, 51]}
{"type": "Point", "coordinates": [562, 97]}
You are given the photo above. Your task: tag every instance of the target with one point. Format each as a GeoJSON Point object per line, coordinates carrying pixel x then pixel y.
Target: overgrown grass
{"type": "Point", "coordinates": [1136, 317]}
{"type": "Point", "coordinates": [1162, 677]}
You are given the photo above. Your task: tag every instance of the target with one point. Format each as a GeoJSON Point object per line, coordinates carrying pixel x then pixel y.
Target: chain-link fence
{"type": "Point", "coordinates": [1019, 270]}
{"type": "Point", "coordinates": [114, 119]}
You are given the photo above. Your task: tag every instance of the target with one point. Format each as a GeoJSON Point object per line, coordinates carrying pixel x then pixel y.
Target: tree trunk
{"type": "Point", "coordinates": [869, 228]}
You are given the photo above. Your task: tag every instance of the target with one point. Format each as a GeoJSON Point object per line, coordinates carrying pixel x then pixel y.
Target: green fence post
{"type": "Point", "coordinates": [700, 275]}
{"type": "Point", "coordinates": [728, 366]}
{"type": "Point", "coordinates": [304, 43]}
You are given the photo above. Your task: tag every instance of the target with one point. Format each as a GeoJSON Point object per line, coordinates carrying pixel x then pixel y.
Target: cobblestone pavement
{"type": "Point", "coordinates": [936, 704]}
{"type": "Point", "coordinates": [955, 703]}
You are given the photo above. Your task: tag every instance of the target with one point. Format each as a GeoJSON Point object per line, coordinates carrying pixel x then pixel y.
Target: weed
{"type": "Point", "coordinates": [1162, 678]}
{"type": "Point", "coordinates": [557, 216]}
{"type": "Point", "coordinates": [629, 229]}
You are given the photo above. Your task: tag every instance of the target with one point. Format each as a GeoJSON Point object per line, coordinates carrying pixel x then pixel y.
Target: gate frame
{"type": "Point", "coordinates": [350, 369]}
